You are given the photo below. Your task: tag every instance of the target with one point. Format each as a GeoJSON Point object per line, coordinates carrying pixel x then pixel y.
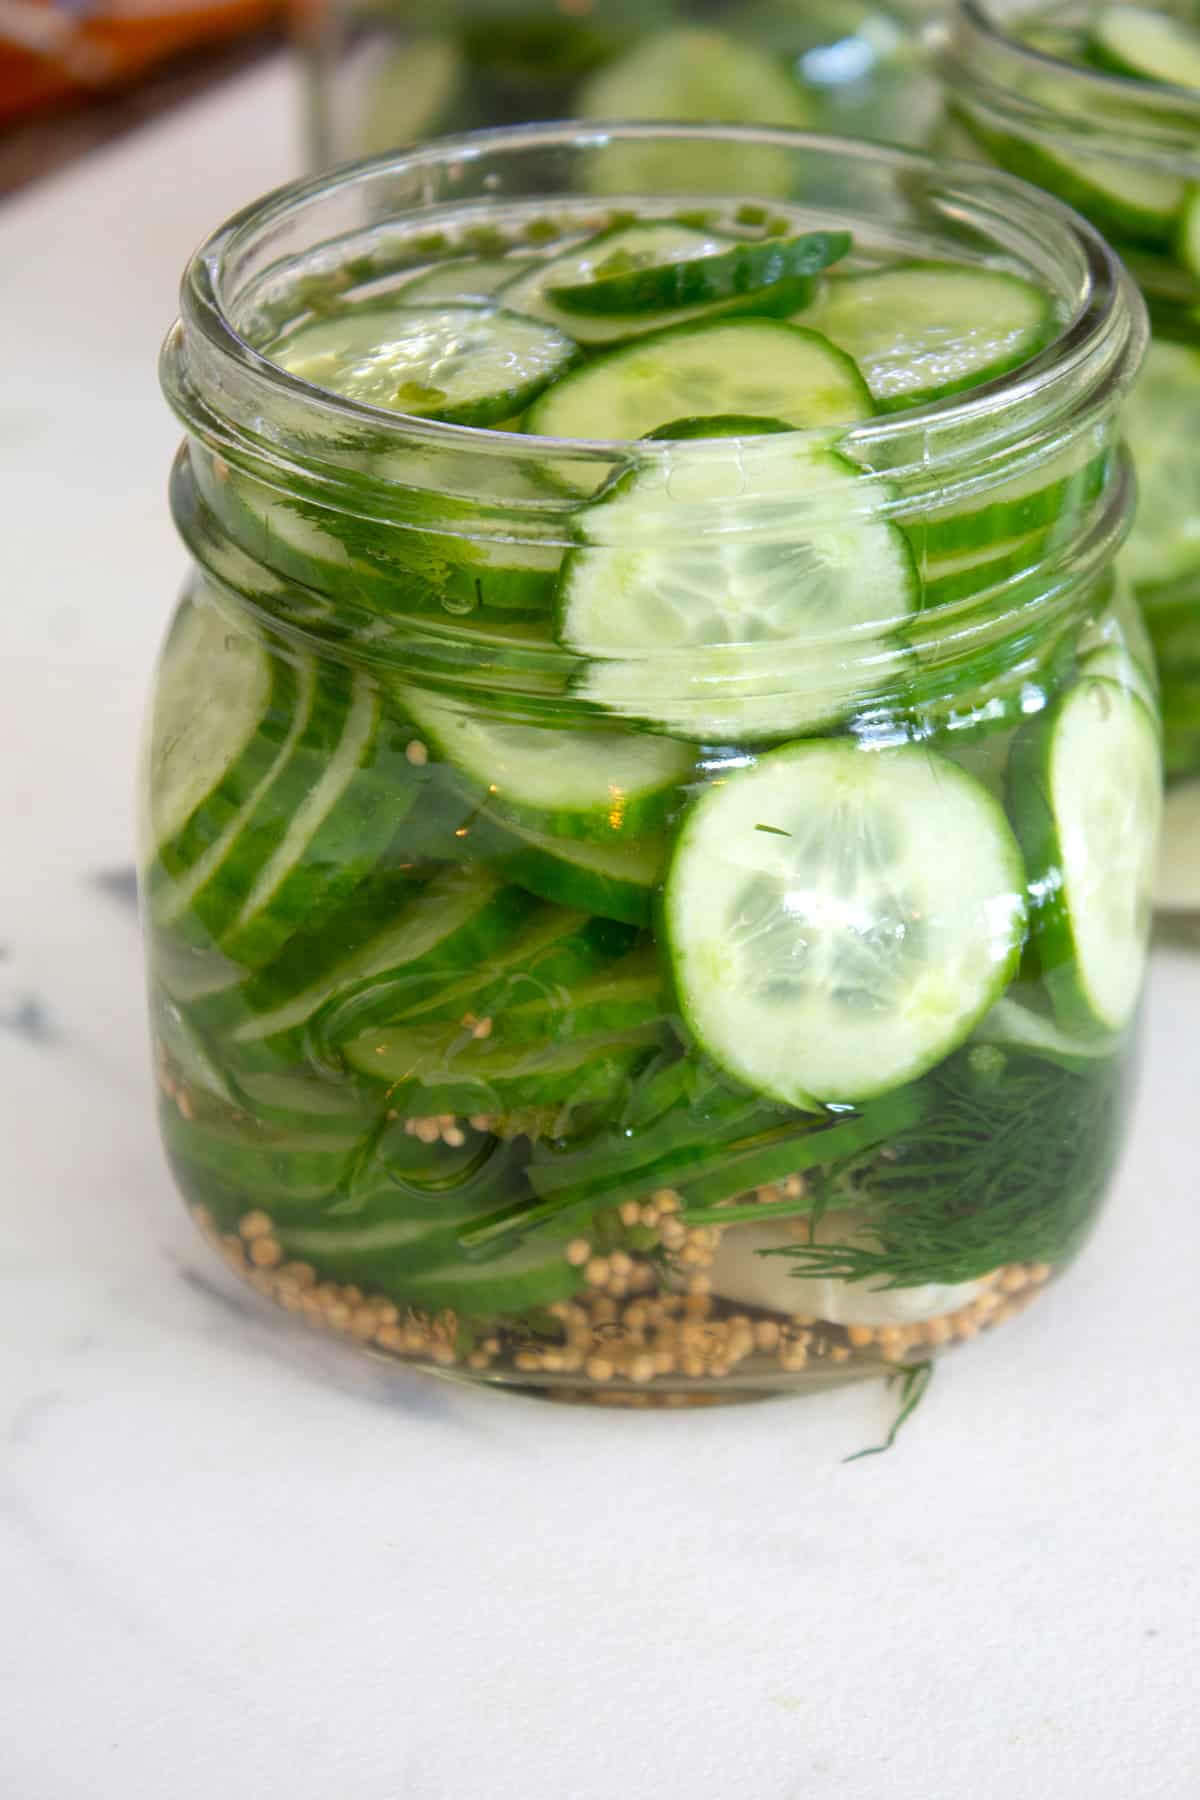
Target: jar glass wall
{"type": "Point", "coordinates": [379, 76]}
{"type": "Point", "coordinates": [722, 1013]}
{"type": "Point", "coordinates": [1035, 89]}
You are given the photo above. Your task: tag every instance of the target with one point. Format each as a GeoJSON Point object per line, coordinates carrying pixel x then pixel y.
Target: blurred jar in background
{"type": "Point", "coordinates": [382, 73]}
{"type": "Point", "coordinates": [55, 51]}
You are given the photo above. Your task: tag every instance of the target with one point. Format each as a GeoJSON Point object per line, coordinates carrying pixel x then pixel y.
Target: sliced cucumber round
{"type": "Point", "coordinates": [465, 280]}
{"type": "Point", "coordinates": [588, 783]}
{"type": "Point", "coordinates": [923, 330]}
{"type": "Point", "coordinates": [765, 367]}
{"type": "Point", "coordinates": [220, 698]}
{"type": "Point", "coordinates": [1125, 197]}
{"type": "Point", "coordinates": [1162, 429]}
{"type": "Point", "coordinates": [1085, 792]}
{"type": "Point", "coordinates": [838, 919]}
{"type": "Point", "coordinates": [1148, 45]}
{"type": "Point", "coordinates": [693, 72]}
{"type": "Point", "coordinates": [467, 365]}
{"type": "Point", "coordinates": [765, 628]}
{"type": "Point", "coordinates": [412, 94]}
{"type": "Point", "coordinates": [743, 272]}
{"type": "Point", "coordinates": [437, 937]}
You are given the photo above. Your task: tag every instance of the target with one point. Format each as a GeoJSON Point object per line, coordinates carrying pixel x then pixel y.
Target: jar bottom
{"type": "Point", "coordinates": [663, 1350]}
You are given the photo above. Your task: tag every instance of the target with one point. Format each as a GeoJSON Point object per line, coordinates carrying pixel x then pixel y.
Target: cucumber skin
{"type": "Point", "coordinates": [1052, 951]}
{"type": "Point", "coordinates": [599, 1079]}
{"type": "Point", "coordinates": [570, 884]}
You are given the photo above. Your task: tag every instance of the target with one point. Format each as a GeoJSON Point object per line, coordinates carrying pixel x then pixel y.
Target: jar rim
{"type": "Point", "coordinates": [1103, 321]}
{"type": "Point", "coordinates": [981, 17]}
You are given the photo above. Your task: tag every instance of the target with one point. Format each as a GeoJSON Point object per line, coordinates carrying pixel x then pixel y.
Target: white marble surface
{"type": "Point", "coordinates": [234, 1562]}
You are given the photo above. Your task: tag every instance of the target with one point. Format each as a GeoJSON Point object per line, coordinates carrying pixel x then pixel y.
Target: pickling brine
{"type": "Point", "coordinates": [653, 789]}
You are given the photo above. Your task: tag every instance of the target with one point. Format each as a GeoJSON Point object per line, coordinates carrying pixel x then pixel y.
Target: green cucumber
{"type": "Point", "coordinates": [433, 1069]}
{"type": "Point", "coordinates": [412, 94]}
{"type": "Point", "coordinates": [1147, 45]}
{"type": "Point", "coordinates": [744, 271]}
{"type": "Point", "coordinates": [616, 881]}
{"type": "Point", "coordinates": [465, 365]}
{"type": "Point", "coordinates": [1085, 792]}
{"type": "Point", "coordinates": [1010, 509]}
{"type": "Point", "coordinates": [621, 998]}
{"type": "Point", "coordinates": [651, 244]}
{"type": "Point", "coordinates": [766, 367]}
{"type": "Point", "coordinates": [919, 331]}
{"type": "Point", "coordinates": [762, 627]}
{"type": "Point", "coordinates": [587, 783]}
{"type": "Point", "coordinates": [1011, 1024]}
{"type": "Point", "coordinates": [437, 937]}
{"type": "Point", "coordinates": [471, 280]}
{"type": "Point", "coordinates": [1177, 884]}
{"type": "Point", "coordinates": [557, 949]}
{"type": "Point", "coordinates": [695, 72]}
{"type": "Point", "coordinates": [223, 704]}
{"type": "Point", "coordinates": [838, 919]}
{"type": "Point", "coordinates": [534, 1274]}
{"type": "Point", "coordinates": [1187, 245]}
{"type": "Point", "coordinates": [1162, 428]}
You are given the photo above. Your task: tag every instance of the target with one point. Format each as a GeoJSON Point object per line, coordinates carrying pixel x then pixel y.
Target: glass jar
{"type": "Point", "coordinates": [1126, 153]}
{"type": "Point", "coordinates": [379, 76]}
{"type": "Point", "coordinates": [448, 1063]}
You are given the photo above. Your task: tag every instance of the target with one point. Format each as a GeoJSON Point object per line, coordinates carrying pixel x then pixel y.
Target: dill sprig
{"type": "Point", "coordinates": [1008, 1164]}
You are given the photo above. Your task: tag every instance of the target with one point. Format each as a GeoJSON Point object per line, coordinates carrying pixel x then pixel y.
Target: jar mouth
{"type": "Point", "coordinates": [1156, 117]}
{"type": "Point", "coordinates": [214, 373]}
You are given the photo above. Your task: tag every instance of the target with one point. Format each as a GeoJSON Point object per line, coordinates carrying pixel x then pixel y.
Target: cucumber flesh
{"type": "Point", "coordinates": [467, 365]}
{"type": "Point", "coordinates": [1147, 45]}
{"type": "Point", "coordinates": [923, 330]}
{"type": "Point", "coordinates": [1086, 796]}
{"type": "Point", "coordinates": [586, 783]}
{"type": "Point", "coordinates": [838, 920]}
{"type": "Point", "coordinates": [732, 637]}
{"type": "Point", "coordinates": [765, 367]}
{"type": "Point", "coordinates": [465, 279]}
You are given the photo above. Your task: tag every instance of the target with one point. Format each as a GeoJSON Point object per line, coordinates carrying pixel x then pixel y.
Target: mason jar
{"type": "Point", "coordinates": [379, 76]}
{"type": "Point", "coordinates": [1025, 89]}
{"type": "Point", "coordinates": [706, 1012]}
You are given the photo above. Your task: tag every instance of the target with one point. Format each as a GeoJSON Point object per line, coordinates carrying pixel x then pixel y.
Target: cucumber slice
{"type": "Point", "coordinates": [923, 330]}
{"type": "Point", "coordinates": [649, 245]}
{"type": "Point", "coordinates": [1011, 509]}
{"type": "Point", "coordinates": [412, 94]}
{"type": "Point", "coordinates": [1162, 429]}
{"type": "Point", "coordinates": [1188, 243]}
{"type": "Point", "coordinates": [533, 1274]}
{"type": "Point", "coordinates": [760, 366]}
{"type": "Point", "coordinates": [581, 784]}
{"type": "Point", "coordinates": [432, 1069]}
{"type": "Point", "coordinates": [620, 998]}
{"type": "Point", "coordinates": [744, 271]}
{"type": "Point", "coordinates": [220, 700]}
{"type": "Point", "coordinates": [973, 573]}
{"type": "Point", "coordinates": [693, 72]}
{"type": "Point", "coordinates": [472, 280]}
{"type": "Point", "coordinates": [742, 635]}
{"type": "Point", "coordinates": [467, 365]}
{"type": "Point", "coordinates": [1150, 46]}
{"type": "Point", "coordinates": [441, 934]}
{"type": "Point", "coordinates": [1173, 618]}
{"type": "Point", "coordinates": [558, 949]}
{"type": "Point", "coordinates": [321, 837]}
{"type": "Point", "coordinates": [1177, 884]}
{"type": "Point", "coordinates": [1013, 1025]}
{"type": "Point", "coordinates": [1085, 787]}
{"type": "Point", "coordinates": [839, 919]}
{"type": "Point", "coordinates": [616, 881]}
{"type": "Point", "coordinates": [1126, 199]}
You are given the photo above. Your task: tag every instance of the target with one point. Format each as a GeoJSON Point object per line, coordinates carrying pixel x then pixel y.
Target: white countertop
{"type": "Point", "coordinates": [234, 1562]}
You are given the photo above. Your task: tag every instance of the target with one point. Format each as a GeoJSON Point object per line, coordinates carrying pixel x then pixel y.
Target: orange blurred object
{"type": "Point", "coordinates": [51, 51]}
